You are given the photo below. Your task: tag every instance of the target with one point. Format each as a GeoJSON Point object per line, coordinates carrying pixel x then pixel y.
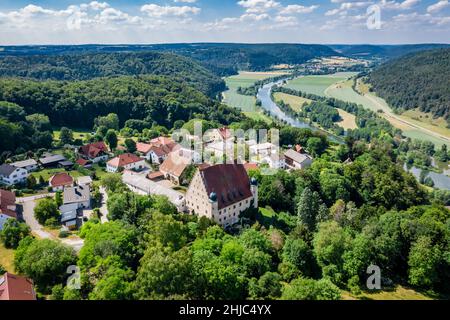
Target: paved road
{"type": "Point", "coordinates": [29, 203]}
{"type": "Point", "coordinates": [104, 208]}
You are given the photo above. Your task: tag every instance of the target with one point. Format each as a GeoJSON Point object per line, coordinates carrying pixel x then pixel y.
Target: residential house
{"type": "Point", "coordinates": [60, 181]}
{"type": "Point", "coordinates": [263, 149]}
{"type": "Point", "coordinates": [11, 175]}
{"type": "Point", "coordinates": [51, 160]}
{"type": "Point", "coordinates": [8, 209]}
{"type": "Point", "coordinates": [219, 135]}
{"type": "Point", "coordinates": [126, 161]}
{"type": "Point", "coordinates": [30, 165]}
{"type": "Point", "coordinates": [94, 152]}
{"type": "Point", "coordinates": [176, 163]}
{"type": "Point", "coordinates": [14, 287]}
{"type": "Point", "coordinates": [80, 195]}
{"type": "Point", "coordinates": [141, 185]}
{"type": "Point", "coordinates": [157, 150]}
{"type": "Point", "coordinates": [295, 160]}
{"type": "Point", "coordinates": [221, 192]}
{"type": "Point", "coordinates": [84, 181]}
{"type": "Point", "coordinates": [83, 163]}
{"type": "Point", "coordinates": [70, 220]}
{"type": "Point", "coordinates": [275, 161]}
{"type": "Point", "coordinates": [66, 164]}
{"type": "Point", "coordinates": [216, 151]}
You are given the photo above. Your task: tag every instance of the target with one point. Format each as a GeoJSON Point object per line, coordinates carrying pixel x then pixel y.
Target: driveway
{"type": "Point", "coordinates": [29, 203]}
{"type": "Point", "coordinates": [103, 207]}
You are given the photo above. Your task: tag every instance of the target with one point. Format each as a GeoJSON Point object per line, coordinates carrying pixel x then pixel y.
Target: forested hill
{"type": "Point", "coordinates": [385, 51]}
{"type": "Point", "coordinates": [222, 58]}
{"type": "Point", "coordinates": [93, 65]}
{"type": "Point", "coordinates": [416, 80]}
{"type": "Point", "coordinates": [155, 99]}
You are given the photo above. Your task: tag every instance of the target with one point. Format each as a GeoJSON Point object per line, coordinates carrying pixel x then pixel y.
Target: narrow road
{"type": "Point", "coordinates": [104, 208]}
{"type": "Point", "coordinates": [29, 203]}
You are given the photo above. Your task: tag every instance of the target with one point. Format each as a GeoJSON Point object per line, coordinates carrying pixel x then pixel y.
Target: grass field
{"type": "Point", "coordinates": [295, 102]}
{"type": "Point", "coordinates": [348, 120]}
{"type": "Point", "coordinates": [7, 258]}
{"type": "Point", "coordinates": [77, 133]}
{"type": "Point", "coordinates": [412, 127]}
{"type": "Point", "coordinates": [318, 84]}
{"type": "Point", "coordinates": [400, 293]}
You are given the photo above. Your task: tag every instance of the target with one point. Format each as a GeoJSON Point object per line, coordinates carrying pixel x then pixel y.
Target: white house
{"type": "Point", "coordinates": [275, 161]}
{"type": "Point", "coordinates": [126, 161]}
{"type": "Point", "coordinates": [60, 181]}
{"type": "Point", "coordinates": [80, 195]}
{"type": "Point", "coordinates": [11, 175]}
{"type": "Point", "coordinates": [295, 160]}
{"type": "Point", "coordinates": [30, 165]}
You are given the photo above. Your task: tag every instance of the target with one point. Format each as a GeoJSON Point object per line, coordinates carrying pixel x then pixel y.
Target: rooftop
{"type": "Point", "coordinates": [297, 157]}
{"type": "Point", "coordinates": [93, 150]}
{"type": "Point", "coordinates": [52, 158]}
{"type": "Point", "coordinates": [60, 179]}
{"type": "Point", "coordinates": [24, 163]}
{"type": "Point", "coordinates": [76, 194]}
{"type": "Point", "coordinates": [124, 159]}
{"type": "Point", "coordinates": [14, 287]}
{"type": "Point", "coordinates": [6, 169]}
{"type": "Point", "coordinates": [7, 201]}
{"type": "Point", "coordinates": [230, 182]}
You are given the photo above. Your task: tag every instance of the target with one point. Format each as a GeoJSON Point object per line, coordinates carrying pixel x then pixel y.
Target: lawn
{"type": "Point", "coordinates": [259, 116]}
{"type": "Point", "coordinates": [267, 212]}
{"type": "Point", "coordinates": [295, 102]}
{"type": "Point", "coordinates": [77, 133]}
{"type": "Point", "coordinates": [400, 293]}
{"type": "Point", "coordinates": [7, 258]}
{"type": "Point", "coordinates": [318, 84]}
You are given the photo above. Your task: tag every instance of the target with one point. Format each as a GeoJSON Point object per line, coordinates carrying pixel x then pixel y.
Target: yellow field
{"type": "Point", "coordinates": [348, 120]}
{"type": "Point", "coordinates": [400, 293]}
{"type": "Point", "coordinates": [295, 102]}
{"type": "Point", "coordinates": [7, 258]}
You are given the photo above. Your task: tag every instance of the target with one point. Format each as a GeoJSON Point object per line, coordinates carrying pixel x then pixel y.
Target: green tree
{"type": "Point", "coordinates": [113, 182]}
{"type": "Point", "coordinates": [308, 208]}
{"type": "Point", "coordinates": [268, 286]}
{"type": "Point", "coordinates": [130, 144]}
{"type": "Point", "coordinates": [46, 209]}
{"type": "Point", "coordinates": [297, 252]}
{"type": "Point", "coordinates": [111, 139]}
{"type": "Point", "coordinates": [66, 136]}
{"type": "Point", "coordinates": [13, 231]}
{"type": "Point", "coordinates": [44, 261]}
{"type": "Point", "coordinates": [423, 261]}
{"type": "Point", "coordinates": [59, 198]}
{"type": "Point", "coordinates": [309, 289]}
{"type": "Point", "coordinates": [31, 182]}
{"type": "Point", "coordinates": [111, 121]}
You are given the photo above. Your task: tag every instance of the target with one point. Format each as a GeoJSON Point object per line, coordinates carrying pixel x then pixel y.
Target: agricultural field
{"type": "Point", "coordinates": [348, 120]}
{"type": "Point", "coordinates": [295, 102]}
{"type": "Point", "coordinates": [246, 103]}
{"type": "Point", "coordinates": [318, 84]}
{"type": "Point", "coordinates": [413, 128]}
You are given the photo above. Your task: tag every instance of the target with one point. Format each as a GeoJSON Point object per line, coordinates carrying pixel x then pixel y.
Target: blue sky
{"type": "Point", "coordinates": [250, 21]}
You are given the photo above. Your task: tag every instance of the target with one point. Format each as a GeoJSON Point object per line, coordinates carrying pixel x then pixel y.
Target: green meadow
{"type": "Point", "coordinates": [318, 84]}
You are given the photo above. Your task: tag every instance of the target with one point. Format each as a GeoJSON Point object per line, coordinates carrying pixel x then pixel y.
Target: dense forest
{"type": "Point", "coordinates": [151, 98]}
{"type": "Point", "coordinates": [88, 66]}
{"type": "Point", "coordinates": [384, 51]}
{"type": "Point", "coordinates": [420, 80]}
{"type": "Point", "coordinates": [223, 59]}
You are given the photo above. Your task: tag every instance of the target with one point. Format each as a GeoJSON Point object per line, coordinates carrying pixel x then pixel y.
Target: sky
{"type": "Point", "coordinates": [247, 21]}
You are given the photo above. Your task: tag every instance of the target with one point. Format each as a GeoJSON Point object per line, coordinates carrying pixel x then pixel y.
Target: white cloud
{"type": "Point", "coordinates": [296, 9]}
{"type": "Point", "coordinates": [186, 1]}
{"type": "Point", "coordinates": [401, 5]}
{"type": "Point", "coordinates": [259, 6]}
{"type": "Point", "coordinates": [154, 10]}
{"type": "Point", "coordinates": [438, 6]}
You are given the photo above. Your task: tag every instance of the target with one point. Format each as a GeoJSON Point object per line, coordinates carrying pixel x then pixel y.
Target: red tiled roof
{"type": "Point", "coordinates": [225, 133]}
{"type": "Point", "coordinates": [14, 287]}
{"type": "Point", "coordinates": [250, 166]}
{"type": "Point", "coordinates": [60, 179]}
{"type": "Point", "coordinates": [230, 182]}
{"type": "Point", "coordinates": [155, 175]}
{"type": "Point", "coordinates": [143, 147]}
{"type": "Point", "coordinates": [174, 164]}
{"type": "Point", "coordinates": [162, 140]}
{"type": "Point", "coordinates": [124, 159]}
{"type": "Point", "coordinates": [82, 162]}
{"type": "Point", "coordinates": [93, 150]}
{"type": "Point", "coordinates": [7, 199]}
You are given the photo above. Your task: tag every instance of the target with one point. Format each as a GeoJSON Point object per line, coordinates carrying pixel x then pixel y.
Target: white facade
{"type": "Point", "coordinates": [100, 159]}
{"type": "Point", "coordinates": [18, 176]}
{"type": "Point", "coordinates": [139, 165]}
{"type": "Point", "coordinates": [199, 203]}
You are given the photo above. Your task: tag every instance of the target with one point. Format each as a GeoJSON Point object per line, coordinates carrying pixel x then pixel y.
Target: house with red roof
{"type": "Point", "coordinates": [14, 287]}
{"type": "Point", "coordinates": [94, 152]}
{"type": "Point", "coordinates": [126, 161]}
{"type": "Point", "coordinates": [157, 150]}
{"type": "Point", "coordinates": [60, 181]}
{"type": "Point", "coordinates": [223, 135]}
{"type": "Point", "coordinates": [8, 209]}
{"type": "Point", "coordinates": [221, 192]}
